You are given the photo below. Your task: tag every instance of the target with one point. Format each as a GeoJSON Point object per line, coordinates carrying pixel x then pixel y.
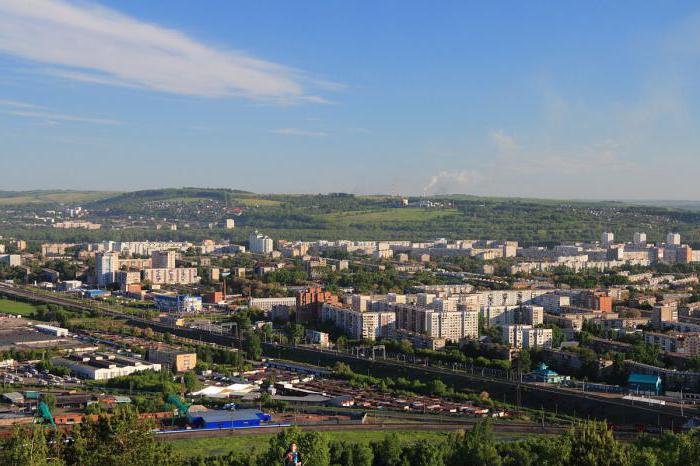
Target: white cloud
{"type": "Point", "coordinates": [52, 118]}
{"type": "Point", "coordinates": [298, 132]}
{"type": "Point", "coordinates": [91, 43]}
{"type": "Point", "coordinates": [503, 141]}
{"type": "Point", "coordinates": [450, 181]}
{"type": "Point", "coordinates": [16, 104]}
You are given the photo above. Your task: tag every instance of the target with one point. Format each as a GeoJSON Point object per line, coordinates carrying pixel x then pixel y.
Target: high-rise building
{"type": "Point", "coordinates": [106, 267]}
{"type": "Point", "coordinates": [367, 325]}
{"type": "Point", "coordinates": [259, 244]}
{"type": "Point", "coordinates": [527, 336]}
{"type": "Point", "coordinates": [450, 325]}
{"type": "Point", "coordinates": [607, 238]}
{"type": "Point", "coordinates": [673, 239]}
{"type": "Point", "coordinates": [163, 260]}
{"type": "Point", "coordinates": [640, 239]}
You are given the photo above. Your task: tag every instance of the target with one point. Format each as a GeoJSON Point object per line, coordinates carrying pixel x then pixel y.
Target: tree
{"type": "Point", "coordinates": [295, 332]}
{"type": "Point", "coordinates": [312, 446]}
{"type": "Point", "coordinates": [424, 453]}
{"type": "Point", "coordinates": [252, 346]}
{"type": "Point", "coordinates": [388, 451]}
{"type": "Point", "coordinates": [476, 447]}
{"type": "Point", "coordinates": [437, 387]}
{"type": "Point", "coordinates": [26, 446]}
{"type": "Point", "coordinates": [191, 382]}
{"type": "Point", "coordinates": [523, 362]}
{"type": "Point", "coordinates": [592, 444]}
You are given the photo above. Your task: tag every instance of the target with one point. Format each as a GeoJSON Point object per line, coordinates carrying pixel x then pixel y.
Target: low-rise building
{"type": "Point", "coordinates": [171, 358]}
{"type": "Point", "coordinates": [103, 366]}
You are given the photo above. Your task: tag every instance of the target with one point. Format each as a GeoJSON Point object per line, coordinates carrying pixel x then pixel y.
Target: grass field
{"type": "Point", "coordinates": [223, 445]}
{"type": "Point", "coordinates": [252, 202]}
{"type": "Point", "coordinates": [406, 214]}
{"type": "Point", "coordinates": [16, 307]}
{"type": "Point", "coordinates": [48, 197]}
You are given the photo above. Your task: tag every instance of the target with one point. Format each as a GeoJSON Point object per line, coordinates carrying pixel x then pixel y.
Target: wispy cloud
{"type": "Point", "coordinates": [17, 104]}
{"type": "Point", "coordinates": [503, 141]}
{"type": "Point", "coordinates": [91, 43]}
{"type": "Point", "coordinates": [298, 132]}
{"type": "Point", "coordinates": [27, 110]}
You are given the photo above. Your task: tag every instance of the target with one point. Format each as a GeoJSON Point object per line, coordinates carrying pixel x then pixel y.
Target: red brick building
{"type": "Point", "coordinates": [310, 301]}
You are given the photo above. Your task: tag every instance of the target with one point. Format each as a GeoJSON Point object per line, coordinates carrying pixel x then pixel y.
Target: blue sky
{"type": "Point", "coordinates": [585, 99]}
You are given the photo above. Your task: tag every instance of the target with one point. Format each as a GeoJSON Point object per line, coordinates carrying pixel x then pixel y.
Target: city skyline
{"type": "Point", "coordinates": [552, 101]}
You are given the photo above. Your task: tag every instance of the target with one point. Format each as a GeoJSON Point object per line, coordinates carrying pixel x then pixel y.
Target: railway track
{"type": "Point", "coordinates": [387, 427]}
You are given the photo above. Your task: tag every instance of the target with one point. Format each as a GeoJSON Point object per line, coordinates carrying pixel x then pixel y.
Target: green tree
{"type": "Point", "coordinates": [592, 444]}
{"type": "Point", "coordinates": [191, 382]}
{"type": "Point", "coordinates": [313, 447]}
{"type": "Point", "coordinates": [476, 447]}
{"type": "Point", "coordinates": [523, 362]}
{"type": "Point", "coordinates": [388, 452]}
{"type": "Point", "coordinates": [424, 453]}
{"type": "Point", "coordinates": [252, 346]}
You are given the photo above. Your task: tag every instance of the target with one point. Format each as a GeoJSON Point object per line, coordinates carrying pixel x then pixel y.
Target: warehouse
{"type": "Point", "coordinates": [219, 419]}
{"type": "Point", "coordinates": [103, 366]}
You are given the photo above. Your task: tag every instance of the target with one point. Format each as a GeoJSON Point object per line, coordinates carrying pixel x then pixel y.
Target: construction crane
{"type": "Point", "coordinates": [181, 406]}
{"type": "Point", "coordinates": [45, 413]}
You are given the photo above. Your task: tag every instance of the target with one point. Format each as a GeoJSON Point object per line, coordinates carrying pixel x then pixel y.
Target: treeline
{"type": "Point", "coordinates": [122, 439]}
{"type": "Point", "coordinates": [586, 444]}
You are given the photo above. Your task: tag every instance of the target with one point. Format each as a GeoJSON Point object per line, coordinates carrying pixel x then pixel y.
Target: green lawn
{"type": "Point", "coordinates": [16, 307]}
{"type": "Point", "coordinates": [223, 445]}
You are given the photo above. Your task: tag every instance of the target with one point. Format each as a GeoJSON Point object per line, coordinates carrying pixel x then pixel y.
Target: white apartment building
{"type": "Point", "coordinates": [526, 336]}
{"type": "Point", "coordinates": [553, 303]}
{"type": "Point", "coordinates": [266, 304]}
{"type": "Point", "coordinates": [511, 315]}
{"type": "Point", "coordinates": [450, 325]}
{"type": "Point", "coordinates": [368, 325]}
{"type": "Point", "coordinates": [106, 267]}
{"type": "Point", "coordinates": [260, 244]}
{"type": "Point", "coordinates": [640, 239]}
{"type": "Point", "coordinates": [508, 297]}
{"type": "Point", "coordinates": [13, 260]}
{"type": "Point", "coordinates": [176, 276]}
{"type": "Point", "coordinates": [673, 239]}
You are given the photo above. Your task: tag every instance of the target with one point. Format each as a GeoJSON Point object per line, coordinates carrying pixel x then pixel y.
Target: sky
{"type": "Point", "coordinates": [578, 100]}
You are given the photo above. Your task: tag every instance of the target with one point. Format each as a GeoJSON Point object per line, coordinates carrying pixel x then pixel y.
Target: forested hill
{"type": "Point", "coordinates": [339, 215]}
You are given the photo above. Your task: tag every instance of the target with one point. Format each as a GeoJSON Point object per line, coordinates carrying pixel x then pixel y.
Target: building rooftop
{"type": "Point", "coordinates": [643, 378]}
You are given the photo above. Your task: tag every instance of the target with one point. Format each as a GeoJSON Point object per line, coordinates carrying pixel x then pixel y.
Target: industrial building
{"type": "Point", "coordinates": [178, 303]}
{"type": "Point", "coordinates": [219, 419]}
{"type": "Point", "coordinates": [103, 366]}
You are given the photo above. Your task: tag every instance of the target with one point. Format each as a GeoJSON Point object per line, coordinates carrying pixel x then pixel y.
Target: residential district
{"type": "Point", "coordinates": [207, 336]}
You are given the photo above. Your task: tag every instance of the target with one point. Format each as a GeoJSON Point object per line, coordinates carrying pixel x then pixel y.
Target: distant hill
{"type": "Point", "coordinates": [359, 217]}
{"type": "Point", "coordinates": [18, 198]}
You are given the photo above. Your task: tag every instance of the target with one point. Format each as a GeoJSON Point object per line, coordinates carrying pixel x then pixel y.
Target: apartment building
{"type": "Point", "coordinates": [106, 267]}
{"type": "Point", "coordinates": [368, 325]}
{"type": "Point", "coordinates": [163, 259]}
{"type": "Point", "coordinates": [176, 276]}
{"type": "Point", "coordinates": [173, 358]}
{"type": "Point", "coordinates": [450, 325]}
{"type": "Point", "coordinates": [260, 244]}
{"type": "Point", "coordinates": [527, 336]}
{"type": "Point", "coordinates": [510, 315]}
{"type": "Point", "coordinates": [266, 304]}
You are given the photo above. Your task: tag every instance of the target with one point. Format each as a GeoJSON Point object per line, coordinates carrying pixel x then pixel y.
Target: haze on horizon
{"type": "Point", "coordinates": [549, 100]}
